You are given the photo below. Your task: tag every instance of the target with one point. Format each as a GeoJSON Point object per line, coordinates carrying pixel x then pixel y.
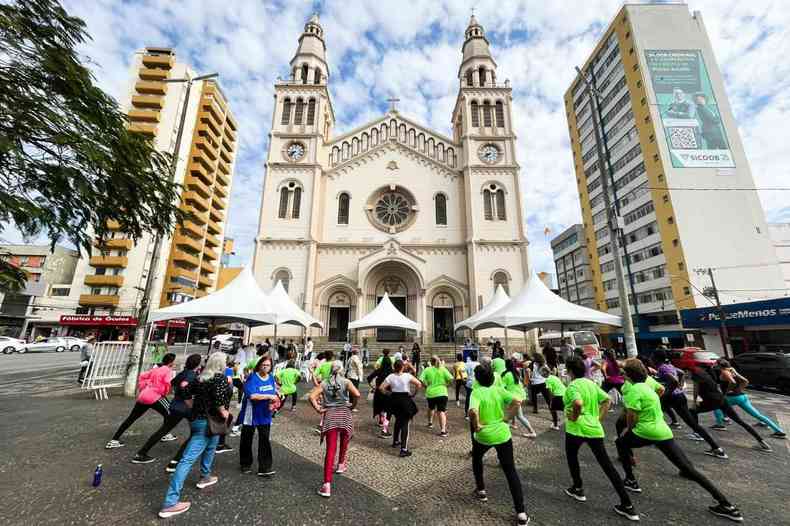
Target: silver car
{"type": "Point", "coordinates": [75, 344]}
{"type": "Point", "coordinates": [56, 344]}
{"type": "Point", "coordinates": [11, 345]}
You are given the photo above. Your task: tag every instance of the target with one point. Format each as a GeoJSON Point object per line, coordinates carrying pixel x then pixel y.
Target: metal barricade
{"type": "Point", "coordinates": [107, 367]}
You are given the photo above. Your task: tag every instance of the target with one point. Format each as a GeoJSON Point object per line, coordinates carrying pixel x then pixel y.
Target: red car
{"type": "Point", "coordinates": [689, 357]}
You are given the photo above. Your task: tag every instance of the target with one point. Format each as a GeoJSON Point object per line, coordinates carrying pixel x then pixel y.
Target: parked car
{"type": "Point", "coordinates": [227, 342]}
{"type": "Point", "coordinates": [75, 344]}
{"type": "Point", "coordinates": [689, 357]}
{"type": "Point", "coordinates": [11, 345]}
{"type": "Point", "coordinates": [767, 369]}
{"type": "Point", "coordinates": [55, 343]}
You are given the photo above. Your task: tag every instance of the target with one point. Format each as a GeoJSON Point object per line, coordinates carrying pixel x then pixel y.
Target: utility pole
{"type": "Point", "coordinates": [140, 334]}
{"type": "Point", "coordinates": [612, 217]}
{"type": "Point", "coordinates": [725, 336]}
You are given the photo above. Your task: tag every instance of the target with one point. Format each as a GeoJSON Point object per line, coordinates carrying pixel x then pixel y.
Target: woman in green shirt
{"type": "Point", "coordinates": [435, 379]}
{"type": "Point", "coordinates": [490, 408]}
{"type": "Point", "coordinates": [646, 427]}
{"type": "Point", "coordinates": [287, 378]}
{"type": "Point", "coordinates": [511, 381]}
{"type": "Point", "coordinates": [585, 406]}
{"type": "Point", "coordinates": [557, 390]}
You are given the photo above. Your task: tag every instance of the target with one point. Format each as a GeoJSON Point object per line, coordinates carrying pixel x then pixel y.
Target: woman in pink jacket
{"type": "Point", "coordinates": [153, 386]}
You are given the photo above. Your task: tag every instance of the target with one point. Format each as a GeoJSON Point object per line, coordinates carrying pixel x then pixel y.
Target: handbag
{"type": "Point", "coordinates": [217, 426]}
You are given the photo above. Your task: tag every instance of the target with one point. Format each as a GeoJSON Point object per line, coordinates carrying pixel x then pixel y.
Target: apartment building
{"type": "Point", "coordinates": [571, 260]}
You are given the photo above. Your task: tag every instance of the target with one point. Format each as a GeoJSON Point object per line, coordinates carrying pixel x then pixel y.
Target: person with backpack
{"type": "Point", "coordinates": [180, 408]}
{"type": "Point", "coordinates": [734, 386]}
{"type": "Point", "coordinates": [646, 427]}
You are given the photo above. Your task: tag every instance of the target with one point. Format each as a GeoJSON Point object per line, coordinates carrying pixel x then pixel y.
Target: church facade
{"type": "Point", "coordinates": [391, 206]}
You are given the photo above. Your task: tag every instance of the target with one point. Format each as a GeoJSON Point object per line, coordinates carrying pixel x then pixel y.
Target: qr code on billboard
{"type": "Point", "coordinates": [683, 139]}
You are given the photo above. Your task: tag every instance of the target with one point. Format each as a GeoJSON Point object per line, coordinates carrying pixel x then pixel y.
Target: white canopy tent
{"type": "Point", "coordinates": [286, 311]}
{"type": "Point", "coordinates": [499, 300]}
{"type": "Point", "coordinates": [385, 315]}
{"type": "Point", "coordinates": [536, 306]}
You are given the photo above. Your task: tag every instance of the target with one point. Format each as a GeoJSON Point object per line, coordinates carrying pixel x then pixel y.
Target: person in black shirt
{"type": "Point", "coordinates": [705, 387]}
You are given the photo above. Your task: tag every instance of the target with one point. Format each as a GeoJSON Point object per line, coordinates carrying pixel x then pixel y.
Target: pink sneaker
{"type": "Point", "coordinates": [175, 509]}
{"type": "Point", "coordinates": [342, 467]}
{"type": "Point", "coordinates": [325, 490]}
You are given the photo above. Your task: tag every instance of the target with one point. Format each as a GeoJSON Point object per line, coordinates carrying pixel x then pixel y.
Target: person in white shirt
{"type": "Point", "coordinates": [346, 352]}
{"type": "Point", "coordinates": [402, 404]}
{"type": "Point", "coordinates": [355, 372]}
{"type": "Point", "coordinates": [308, 350]}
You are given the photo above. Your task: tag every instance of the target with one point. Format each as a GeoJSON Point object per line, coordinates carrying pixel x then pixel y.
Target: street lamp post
{"type": "Point", "coordinates": [723, 334]}
{"type": "Point", "coordinates": [140, 333]}
{"type": "Point", "coordinates": [612, 216]}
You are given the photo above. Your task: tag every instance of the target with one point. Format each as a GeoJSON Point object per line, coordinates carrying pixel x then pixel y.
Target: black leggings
{"type": "Point", "coordinates": [534, 390]}
{"type": "Point", "coordinates": [608, 386]}
{"type": "Point", "coordinates": [161, 406]}
{"type": "Point", "coordinates": [680, 405]}
{"type": "Point", "coordinates": [264, 447]}
{"type": "Point", "coordinates": [458, 385]}
{"type": "Point", "coordinates": [667, 408]}
{"type": "Point", "coordinates": [711, 405]}
{"type": "Point", "coordinates": [466, 399]}
{"type": "Point", "coordinates": [557, 406]}
{"type": "Point", "coordinates": [171, 421]}
{"type": "Point", "coordinates": [293, 396]}
{"type": "Point", "coordinates": [572, 445]}
{"type": "Point", "coordinates": [504, 453]}
{"type": "Point", "coordinates": [401, 432]}
{"type": "Point", "coordinates": [239, 385]}
{"type": "Point", "coordinates": [628, 442]}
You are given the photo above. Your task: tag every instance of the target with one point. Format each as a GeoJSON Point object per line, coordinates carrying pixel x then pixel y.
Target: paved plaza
{"type": "Point", "coordinates": [53, 440]}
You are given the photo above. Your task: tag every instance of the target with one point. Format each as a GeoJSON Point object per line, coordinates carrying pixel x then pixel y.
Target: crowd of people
{"type": "Point", "coordinates": [577, 388]}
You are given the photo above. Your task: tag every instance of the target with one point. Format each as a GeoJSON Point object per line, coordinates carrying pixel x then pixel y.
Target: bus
{"type": "Point", "coordinates": [586, 340]}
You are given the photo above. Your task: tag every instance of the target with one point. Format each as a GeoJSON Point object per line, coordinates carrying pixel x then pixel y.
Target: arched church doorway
{"type": "Point", "coordinates": [339, 316]}
{"type": "Point", "coordinates": [443, 309]}
{"type": "Point", "coordinates": [403, 286]}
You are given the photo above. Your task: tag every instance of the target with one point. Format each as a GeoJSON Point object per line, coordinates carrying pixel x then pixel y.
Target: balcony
{"type": "Point", "coordinates": [209, 254]}
{"type": "Point", "coordinates": [175, 271]}
{"type": "Point", "coordinates": [212, 241]}
{"type": "Point", "coordinates": [120, 244]}
{"type": "Point", "coordinates": [144, 115]}
{"type": "Point", "coordinates": [158, 61]}
{"type": "Point", "coordinates": [147, 87]}
{"type": "Point", "coordinates": [215, 215]}
{"type": "Point", "coordinates": [212, 108]}
{"type": "Point", "coordinates": [195, 215]}
{"type": "Point", "coordinates": [108, 261]}
{"type": "Point", "coordinates": [153, 74]}
{"type": "Point", "coordinates": [217, 202]}
{"type": "Point", "coordinates": [213, 227]}
{"type": "Point", "coordinates": [106, 280]}
{"type": "Point", "coordinates": [113, 225]}
{"type": "Point", "coordinates": [181, 240]}
{"type": "Point", "coordinates": [212, 92]}
{"type": "Point", "coordinates": [196, 200]}
{"type": "Point", "coordinates": [148, 101]}
{"type": "Point", "coordinates": [225, 154]}
{"type": "Point", "coordinates": [196, 169]}
{"type": "Point", "coordinates": [188, 259]}
{"type": "Point", "coordinates": [208, 121]}
{"type": "Point", "coordinates": [207, 268]}
{"type": "Point", "coordinates": [229, 133]}
{"type": "Point", "coordinates": [99, 300]}
{"type": "Point", "coordinates": [204, 281]}
{"type": "Point", "coordinates": [200, 293]}
{"type": "Point", "coordinates": [232, 123]}
{"type": "Point", "coordinates": [197, 185]}
{"type": "Point", "coordinates": [193, 228]}
{"type": "Point", "coordinates": [147, 128]}
{"type": "Point", "coordinates": [221, 191]}
{"type": "Point", "coordinates": [206, 146]}
{"type": "Point", "coordinates": [222, 177]}
{"type": "Point", "coordinates": [199, 156]}
{"type": "Point", "coordinates": [204, 130]}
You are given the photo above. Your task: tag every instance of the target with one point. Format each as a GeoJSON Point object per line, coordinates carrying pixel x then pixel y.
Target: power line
{"type": "Point", "coordinates": [746, 265]}
{"type": "Point", "coordinates": [771, 189]}
{"type": "Point", "coordinates": [753, 290]}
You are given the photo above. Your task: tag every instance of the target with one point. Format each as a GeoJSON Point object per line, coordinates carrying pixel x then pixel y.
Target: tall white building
{"type": "Point", "coordinates": [669, 128]}
{"type": "Point", "coordinates": [391, 206]}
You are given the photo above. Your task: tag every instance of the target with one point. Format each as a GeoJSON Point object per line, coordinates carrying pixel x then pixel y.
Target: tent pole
{"type": "Point", "coordinates": [526, 352]}
{"type": "Point", "coordinates": [507, 350]}
{"type": "Point", "coordinates": [186, 342]}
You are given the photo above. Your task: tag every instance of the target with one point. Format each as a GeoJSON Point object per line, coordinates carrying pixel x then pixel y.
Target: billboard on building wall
{"type": "Point", "coordinates": [689, 113]}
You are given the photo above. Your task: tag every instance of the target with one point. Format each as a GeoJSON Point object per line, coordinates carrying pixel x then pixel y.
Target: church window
{"type": "Point", "coordinates": [402, 133]}
{"type": "Point", "coordinates": [440, 152]}
{"type": "Point", "coordinates": [365, 142]}
{"type": "Point", "coordinates": [421, 143]}
{"type": "Point", "coordinates": [317, 75]}
{"type": "Point", "coordinates": [469, 81]}
{"type": "Point", "coordinates": [283, 211]}
{"type": "Point", "coordinates": [284, 277]}
{"type": "Point", "coordinates": [335, 155]}
{"type": "Point", "coordinates": [500, 114]}
{"type": "Point", "coordinates": [311, 112]}
{"type": "Point", "coordinates": [500, 278]}
{"type": "Point", "coordinates": [297, 203]}
{"type": "Point", "coordinates": [346, 151]}
{"type": "Point", "coordinates": [412, 138]}
{"type": "Point", "coordinates": [354, 146]}
{"type": "Point", "coordinates": [451, 157]}
{"type": "Point", "coordinates": [343, 203]}
{"type": "Point", "coordinates": [441, 209]}
{"type": "Point", "coordinates": [304, 73]}
{"type": "Point", "coordinates": [482, 73]}
{"type": "Point", "coordinates": [299, 111]}
{"type": "Point", "coordinates": [383, 132]}
{"type": "Point", "coordinates": [431, 149]}
{"type": "Point", "coordinates": [374, 136]}
{"type": "Point", "coordinates": [286, 112]}
{"type": "Point", "coordinates": [500, 205]}
{"type": "Point", "coordinates": [392, 209]}
{"type": "Point", "coordinates": [475, 114]}
{"type": "Point", "coordinates": [486, 114]}
{"type": "Point", "coordinates": [488, 205]}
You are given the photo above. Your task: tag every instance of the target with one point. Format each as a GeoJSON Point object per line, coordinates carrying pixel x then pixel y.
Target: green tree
{"type": "Point", "coordinates": [68, 162]}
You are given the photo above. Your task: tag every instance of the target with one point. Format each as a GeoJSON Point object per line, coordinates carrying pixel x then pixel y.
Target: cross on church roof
{"type": "Point", "coordinates": [393, 101]}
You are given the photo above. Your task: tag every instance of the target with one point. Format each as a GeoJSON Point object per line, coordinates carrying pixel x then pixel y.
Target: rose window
{"type": "Point", "coordinates": [392, 209]}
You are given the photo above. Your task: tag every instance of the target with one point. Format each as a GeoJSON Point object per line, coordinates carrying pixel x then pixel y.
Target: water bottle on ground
{"type": "Point", "coordinates": [97, 476]}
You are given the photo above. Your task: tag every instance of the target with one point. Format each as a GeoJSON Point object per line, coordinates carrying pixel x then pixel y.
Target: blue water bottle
{"type": "Point", "coordinates": [97, 476]}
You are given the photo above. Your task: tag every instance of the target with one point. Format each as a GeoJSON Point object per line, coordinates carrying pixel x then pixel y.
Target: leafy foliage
{"type": "Point", "coordinates": [68, 162]}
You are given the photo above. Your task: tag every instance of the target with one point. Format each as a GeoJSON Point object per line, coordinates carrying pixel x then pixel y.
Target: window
{"type": "Point", "coordinates": [500, 205]}
{"type": "Point", "coordinates": [297, 203]}
{"type": "Point", "coordinates": [286, 112]}
{"type": "Point", "coordinates": [488, 205]}
{"type": "Point", "coordinates": [475, 114]}
{"type": "Point", "coordinates": [283, 211]}
{"type": "Point", "coordinates": [317, 74]}
{"type": "Point", "coordinates": [500, 278]}
{"type": "Point", "coordinates": [311, 112]}
{"type": "Point", "coordinates": [441, 209]}
{"type": "Point", "coordinates": [299, 111]}
{"type": "Point", "coordinates": [469, 81]}
{"type": "Point", "coordinates": [343, 203]}
{"type": "Point", "coordinates": [304, 73]}
{"type": "Point", "coordinates": [486, 114]}
{"type": "Point", "coordinates": [60, 291]}
{"type": "Point", "coordinates": [284, 277]}
{"type": "Point", "coordinates": [500, 114]}
{"type": "Point", "coordinates": [482, 72]}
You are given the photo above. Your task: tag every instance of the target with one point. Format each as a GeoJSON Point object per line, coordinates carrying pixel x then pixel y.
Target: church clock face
{"type": "Point", "coordinates": [295, 151]}
{"type": "Point", "coordinates": [489, 153]}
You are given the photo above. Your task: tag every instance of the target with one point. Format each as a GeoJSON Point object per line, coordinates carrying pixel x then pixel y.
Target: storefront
{"type": "Point", "coordinates": [105, 328]}
{"type": "Point", "coordinates": [753, 326]}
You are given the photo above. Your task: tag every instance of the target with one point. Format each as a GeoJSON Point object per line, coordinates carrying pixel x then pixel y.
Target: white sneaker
{"type": "Point", "coordinates": [112, 444]}
{"type": "Point", "coordinates": [168, 438]}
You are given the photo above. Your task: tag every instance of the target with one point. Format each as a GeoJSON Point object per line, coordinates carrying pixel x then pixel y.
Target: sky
{"type": "Point", "coordinates": [411, 49]}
